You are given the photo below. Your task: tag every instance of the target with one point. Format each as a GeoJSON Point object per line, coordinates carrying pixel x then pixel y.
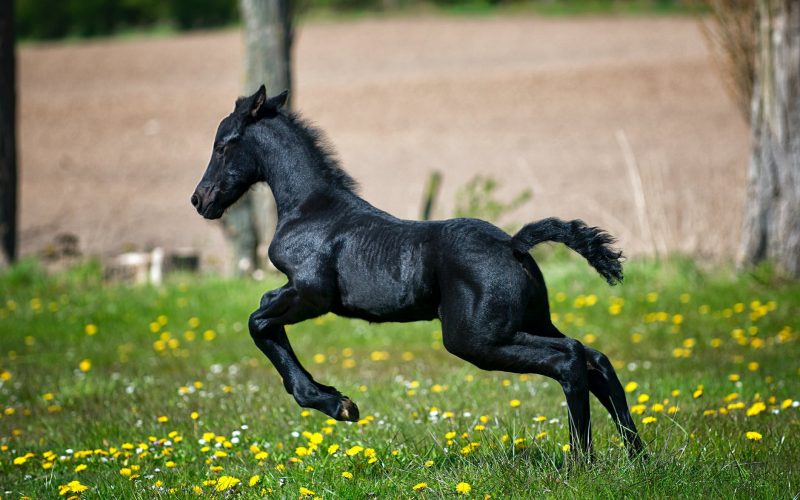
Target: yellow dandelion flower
{"type": "Point", "coordinates": [333, 449]}
{"type": "Point", "coordinates": [81, 467]}
{"type": "Point", "coordinates": [648, 420]}
{"type": "Point", "coordinates": [463, 488]}
{"type": "Point", "coordinates": [72, 487]}
{"type": "Point", "coordinates": [355, 450]}
{"type": "Point", "coordinates": [90, 329]}
{"type": "Point", "coordinates": [226, 483]}
{"type": "Point", "coordinates": [631, 386]}
{"type": "Point", "coordinates": [428, 463]}
{"type": "Point", "coordinates": [756, 408]}
{"type": "Point", "coordinates": [347, 475]}
{"type": "Point", "coordinates": [734, 377]}
{"type": "Point", "coordinates": [565, 448]}
{"type": "Point", "coordinates": [514, 403]}
{"type": "Point", "coordinates": [643, 398]}
{"type": "Point", "coordinates": [163, 419]}
{"type": "Point", "coordinates": [85, 365]}
{"type": "Point", "coordinates": [253, 480]}
{"type": "Point", "coordinates": [305, 492]}
{"type": "Point", "coordinates": [753, 436]}
{"type": "Point", "coordinates": [419, 486]}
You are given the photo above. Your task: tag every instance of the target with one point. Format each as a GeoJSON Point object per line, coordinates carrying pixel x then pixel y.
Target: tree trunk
{"type": "Point", "coordinates": [772, 214]}
{"type": "Point", "coordinates": [250, 223]}
{"type": "Point", "coordinates": [8, 154]}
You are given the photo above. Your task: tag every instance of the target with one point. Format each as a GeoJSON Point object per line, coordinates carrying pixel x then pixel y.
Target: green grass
{"type": "Point", "coordinates": [144, 365]}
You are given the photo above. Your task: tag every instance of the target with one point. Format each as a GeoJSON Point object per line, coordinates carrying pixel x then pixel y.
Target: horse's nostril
{"type": "Point", "coordinates": [195, 200]}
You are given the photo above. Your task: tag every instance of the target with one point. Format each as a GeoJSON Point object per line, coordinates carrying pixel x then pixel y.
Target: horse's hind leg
{"type": "Point", "coordinates": [605, 385]}
{"type": "Point", "coordinates": [562, 359]}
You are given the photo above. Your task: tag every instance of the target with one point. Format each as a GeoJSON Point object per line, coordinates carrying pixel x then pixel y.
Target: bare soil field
{"type": "Point", "coordinates": [115, 134]}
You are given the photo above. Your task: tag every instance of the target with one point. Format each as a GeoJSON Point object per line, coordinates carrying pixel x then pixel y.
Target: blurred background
{"type": "Point", "coordinates": [673, 125]}
{"type": "Point", "coordinates": [616, 112]}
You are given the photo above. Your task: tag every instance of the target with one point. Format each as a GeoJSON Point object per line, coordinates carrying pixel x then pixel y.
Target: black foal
{"type": "Point", "coordinates": [345, 256]}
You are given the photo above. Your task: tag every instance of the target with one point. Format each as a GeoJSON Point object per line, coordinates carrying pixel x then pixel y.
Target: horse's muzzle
{"type": "Point", "coordinates": [204, 201]}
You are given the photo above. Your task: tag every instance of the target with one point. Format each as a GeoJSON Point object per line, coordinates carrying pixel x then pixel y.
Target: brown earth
{"type": "Point", "coordinates": [114, 135]}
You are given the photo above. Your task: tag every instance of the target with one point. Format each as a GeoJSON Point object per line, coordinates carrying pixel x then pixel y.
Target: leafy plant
{"type": "Point", "coordinates": [478, 199]}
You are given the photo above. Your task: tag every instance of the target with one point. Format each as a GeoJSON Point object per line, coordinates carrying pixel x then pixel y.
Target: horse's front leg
{"type": "Point", "coordinates": [278, 308]}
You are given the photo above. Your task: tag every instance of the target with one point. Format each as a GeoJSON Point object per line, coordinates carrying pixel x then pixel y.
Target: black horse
{"type": "Point", "coordinates": [343, 255]}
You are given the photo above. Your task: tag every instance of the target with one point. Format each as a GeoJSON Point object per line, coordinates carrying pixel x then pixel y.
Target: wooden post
{"type": "Point", "coordinates": [8, 153]}
{"type": "Point", "coordinates": [250, 223]}
{"type": "Point", "coordinates": [772, 213]}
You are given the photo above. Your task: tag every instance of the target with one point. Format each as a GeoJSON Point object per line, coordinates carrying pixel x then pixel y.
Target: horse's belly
{"type": "Point", "coordinates": [381, 297]}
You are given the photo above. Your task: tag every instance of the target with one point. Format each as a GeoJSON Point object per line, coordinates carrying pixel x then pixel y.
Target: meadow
{"type": "Point", "coordinates": [113, 391]}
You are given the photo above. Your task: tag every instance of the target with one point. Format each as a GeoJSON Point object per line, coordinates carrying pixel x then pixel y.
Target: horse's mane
{"type": "Point", "coordinates": [326, 158]}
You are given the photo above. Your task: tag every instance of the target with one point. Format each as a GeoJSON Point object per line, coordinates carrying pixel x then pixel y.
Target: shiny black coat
{"type": "Point", "coordinates": [342, 255]}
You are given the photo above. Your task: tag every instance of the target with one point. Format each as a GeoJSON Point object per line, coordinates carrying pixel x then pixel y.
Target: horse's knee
{"type": "Point", "coordinates": [573, 371]}
{"type": "Point", "coordinates": [258, 327]}
{"type": "Point", "coordinates": [598, 361]}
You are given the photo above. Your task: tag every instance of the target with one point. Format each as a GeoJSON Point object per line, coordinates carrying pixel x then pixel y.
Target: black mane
{"type": "Point", "coordinates": [325, 155]}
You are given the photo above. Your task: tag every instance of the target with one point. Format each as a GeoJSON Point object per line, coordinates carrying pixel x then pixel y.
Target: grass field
{"type": "Point", "coordinates": [120, 392]}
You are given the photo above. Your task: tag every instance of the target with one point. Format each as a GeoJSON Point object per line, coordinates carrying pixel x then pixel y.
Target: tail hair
{"type": "Point", "coordinates": [593, 243]}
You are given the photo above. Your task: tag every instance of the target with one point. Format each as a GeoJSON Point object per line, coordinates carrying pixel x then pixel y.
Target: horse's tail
{"type": "Point", "coordinates": [592, 243]}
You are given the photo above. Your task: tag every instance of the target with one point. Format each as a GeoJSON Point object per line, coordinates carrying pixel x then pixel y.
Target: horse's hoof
{"type": "Point", "coordinates": [348, 411]}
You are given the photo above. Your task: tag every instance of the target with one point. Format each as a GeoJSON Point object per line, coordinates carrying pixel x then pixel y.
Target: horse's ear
{"type": "Point", "coordinates": [279, 100]}
{"type": "Point", "coordinates": [257, 103]}
{"type": "Point", "coordinates": [262, 106]}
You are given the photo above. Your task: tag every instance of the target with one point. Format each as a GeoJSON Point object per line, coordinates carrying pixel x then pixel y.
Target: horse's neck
{"type": "Point", "coordinates": [299, 193]}
{"type": "Point", "coordinates": [306, 171]}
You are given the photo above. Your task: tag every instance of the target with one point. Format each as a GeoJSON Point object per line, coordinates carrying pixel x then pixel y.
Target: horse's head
{"type": "Point", "coordinates": [234, 165]}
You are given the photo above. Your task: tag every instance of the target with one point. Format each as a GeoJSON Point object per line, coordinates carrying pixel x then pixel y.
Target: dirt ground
{"type": "Point", "coordinates": [114, 135]}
